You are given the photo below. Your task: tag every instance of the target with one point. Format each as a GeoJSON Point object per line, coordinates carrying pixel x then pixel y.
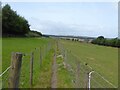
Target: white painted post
{"type": "Point", "coordinates": [89, 78]}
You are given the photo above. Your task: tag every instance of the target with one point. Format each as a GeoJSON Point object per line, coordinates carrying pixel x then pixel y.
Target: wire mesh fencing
{"type": "Point", "coordinates": [39, 55]}
{"type": "Point", "coordinates": [83, 76]}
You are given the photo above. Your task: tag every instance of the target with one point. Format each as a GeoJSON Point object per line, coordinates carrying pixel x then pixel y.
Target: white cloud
{"type": "Point", "coordinates": [59, 28]}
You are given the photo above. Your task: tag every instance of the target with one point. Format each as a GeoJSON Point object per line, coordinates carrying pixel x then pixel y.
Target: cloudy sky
{"type": "Point", "coordinates": [71, 18]}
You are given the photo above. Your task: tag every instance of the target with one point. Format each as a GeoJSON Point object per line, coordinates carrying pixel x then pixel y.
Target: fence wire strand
{"type": "Point", "coordinates": [25, 69]}
{"type": "Point", "coordinates": [71, 60]}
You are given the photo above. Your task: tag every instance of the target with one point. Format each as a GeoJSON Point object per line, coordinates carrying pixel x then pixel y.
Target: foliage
{"type": "Point", "coordinates": [107, 42]}
{"type": "Point", "coordinates": [33, 34]}
{"type": "Point", "coordinates": [12, 23]}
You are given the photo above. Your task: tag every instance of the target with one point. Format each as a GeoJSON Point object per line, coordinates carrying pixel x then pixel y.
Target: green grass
{"type": "Point", "coordinates": [25, 45]}
{"type": "Point", "coordinates": [63, 75]}
{"type": "Point", "coordinates": [44, 79]}
{"type": "Point", "coordinates": [103, 60]}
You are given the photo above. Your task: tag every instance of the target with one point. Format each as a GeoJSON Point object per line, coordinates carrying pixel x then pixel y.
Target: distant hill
{"type": "Point", "coordinates": [70, 36]}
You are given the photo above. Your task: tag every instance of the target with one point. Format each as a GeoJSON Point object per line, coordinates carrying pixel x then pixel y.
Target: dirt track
{"type": "Point", "coordinates": [54, 73]}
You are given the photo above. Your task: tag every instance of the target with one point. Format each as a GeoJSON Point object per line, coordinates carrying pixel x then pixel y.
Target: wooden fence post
{"type": "Point", "coordinates": [77, 83]}
{"type": "Point", "coordinates": [65, 58]}
{"type": "Point", "coordinates": [16, 61]}
{"type": "Point", "coordinates": [31, 69]}
{"type": "Point", "coordinates": [40, 56]}
{"type": "Point", "coordinates": [57, 45]}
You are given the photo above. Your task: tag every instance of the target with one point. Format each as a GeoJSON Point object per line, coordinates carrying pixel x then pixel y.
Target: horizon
{"type": "Point", "coordinates": [79, 36]}
{"type": "Point", "coordinates": [90, 19]}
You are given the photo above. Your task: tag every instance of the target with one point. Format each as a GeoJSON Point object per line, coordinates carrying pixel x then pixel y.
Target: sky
{"type": "Point", "coordinates": [91, 19]}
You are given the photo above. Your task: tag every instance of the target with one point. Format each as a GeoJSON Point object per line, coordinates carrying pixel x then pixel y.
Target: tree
{"type": "Point", "coordinates": [107, 42]}
{"type": "Point", "coordinates": [12, 23]}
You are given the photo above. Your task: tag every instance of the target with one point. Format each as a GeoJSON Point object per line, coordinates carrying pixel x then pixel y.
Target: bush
{"type": "Point", "coordinates": [107, 42]}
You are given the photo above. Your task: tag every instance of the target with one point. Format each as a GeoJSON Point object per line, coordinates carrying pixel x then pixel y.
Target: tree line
{"type": "Point", "coordinates": [13, 24]}
{"type": "Point", "coordinates": [107, 42]}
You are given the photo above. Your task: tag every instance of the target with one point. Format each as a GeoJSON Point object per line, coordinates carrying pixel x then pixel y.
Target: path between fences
{"type": "Point", "coordinates": [54, 73]}
{"type": "Point", "coordinates": [55, 68]}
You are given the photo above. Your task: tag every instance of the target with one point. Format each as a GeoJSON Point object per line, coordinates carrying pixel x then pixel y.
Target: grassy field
{"type": "Point", "coordinates": [26, 46]}
{"type": "Point", "coordinates": [103, 60]}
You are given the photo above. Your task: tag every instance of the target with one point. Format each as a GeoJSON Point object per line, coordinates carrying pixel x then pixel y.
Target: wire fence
{"type": "Point", "coordinates": [39, 55]}
{"type": "Point", "coordinates": [83, 76]}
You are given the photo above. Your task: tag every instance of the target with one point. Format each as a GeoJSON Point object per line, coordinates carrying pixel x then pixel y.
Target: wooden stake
{"type": "Point", "coordinates": [31, 69]}
{"type": "Point", "coordinates": [16, 61]}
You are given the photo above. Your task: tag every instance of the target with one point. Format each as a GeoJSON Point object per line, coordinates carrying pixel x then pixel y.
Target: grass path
{"type": "Point", "coordinates": [64, 77]}
{"type": "Point", "coordinates": [44, 79]}
{"type": "Point", "coordinates": [54, 73]}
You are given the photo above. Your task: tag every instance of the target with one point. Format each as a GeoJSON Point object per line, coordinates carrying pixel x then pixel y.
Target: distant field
{"type": "Point", "coordinates": [103, 60]}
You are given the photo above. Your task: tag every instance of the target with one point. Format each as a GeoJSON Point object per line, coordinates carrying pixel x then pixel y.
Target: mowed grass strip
{"type": "Point", "coordinates": [64, 77]}
{"type": "Point", "coordinates": [102, 59]}
{"type": "Point", "coordinates": [44, 79]}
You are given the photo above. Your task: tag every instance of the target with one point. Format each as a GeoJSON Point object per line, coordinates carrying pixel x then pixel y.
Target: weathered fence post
{"type": "Point", "coordinates": [16, 61]}
{"type": "Point", "coordinates": [40, 56]}
{"type": "Point", "coordinates": [46, 48]}
{"type": "Point", "coordinates": [57, 45]}
{"type": "Point", "coordinates": [31, 69]}
{"type": "Point", "coordinates": [65, 58]}
{"type": "Point", "coordinates": [77, 83]}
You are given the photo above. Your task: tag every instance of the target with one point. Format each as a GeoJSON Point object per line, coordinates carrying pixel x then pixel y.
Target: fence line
{"type": "Point", "coordinates": [31, 69]}
{"type": "Point", "coordinates": [11, 79]}
{"type": "Point", "coordinates": [97, 82]}
{"type": "Point", "coordinates": [16, 62]}
{"type": "Point", "coordinates": [76, 68]}
{"type": "Point", "coordinates": [83, 67]}
{"type": "Point", "coordinates": [105, 79]}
